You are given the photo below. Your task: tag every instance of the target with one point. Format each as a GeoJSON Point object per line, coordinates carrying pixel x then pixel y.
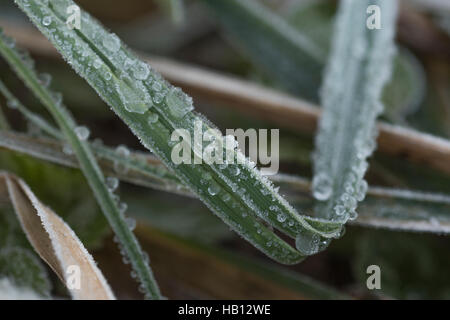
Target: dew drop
{"type": "Point", "coordinates": [348, 202]}
{"type": "Point", "coordinates": [46, 21]}
{"type": "Point", "coordinates": [226, 197]}
{"type": "Point", "coordinates": [281, 217]}
{"type": "Point", "coordinates": [123, 207]}
{"type": "Point", "coordinates": [235, 171]}
{"type": "Point", "coordinates": [131, 223]}
{"type": "Point", "coordinates": [361, 190]}
{"type": "Point", "coordinates": [125, 260]}
{"type": "Point", "coordinates": [128, 63]}
{"type": "Point", "coordinates": [213, 188]}
{"type": "Point", "coordinates": [339, 210]}
{"type": "Point", "coordinates": [112, 43]}
{"type": "Point", "coordinates": [178, 102]}
{"type": "Point", "coordinates": [158, 98]}
{"type": "Point", "coordinates": [57, 98]}
{"type": "Point", "coordinates": [13, 104]}
{"type": "Point", "coordinates": [82, 133]}
{"type": "Point", "coordinates": [67, 149]}
{"type": "Point", "coordinates": [140, 70]}
{"type": "Point", "coordinates": [307, 242]}
{"type": "Point", "coordinates": [112, 183]}
{"type": "Point", "coordinates": [156, 86]}
{"type": "Point", "coordinates": [97, 63]}
{"type": "Point", "coordinates": [122, 151]}
{"type": "Point", "coordinates": [322, 187]}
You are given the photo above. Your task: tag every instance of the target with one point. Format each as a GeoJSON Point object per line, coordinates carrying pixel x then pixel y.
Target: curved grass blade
{"type": "Point", "coordinates": [131, 88]}
{"type": "Point", "coordinates": [24, 68]}
{"type": "Point", "coordinates": [359, 67]}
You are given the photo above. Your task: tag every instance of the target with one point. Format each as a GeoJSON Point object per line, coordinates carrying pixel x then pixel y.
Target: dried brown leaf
{"type": "Point", "coordinates": [55, 241]}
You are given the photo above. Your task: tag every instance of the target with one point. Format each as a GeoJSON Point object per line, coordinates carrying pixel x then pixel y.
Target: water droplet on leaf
{"type": "Point", "coordinates": [82, 133]}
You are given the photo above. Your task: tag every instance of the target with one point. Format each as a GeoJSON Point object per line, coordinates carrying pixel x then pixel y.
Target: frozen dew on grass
{"type": "Point", "coordinates": [308, 242]}
{"type": "Point", "coordinates": [322, 187]}
{"type": "Point", "coordinates": [67, 149]}
{"type": "Point", "coordinates": [112, 183]}
{"type": "Point", "coordinates": [213, 188]}
{"type": "Point", "coordinates": [347, 129]}
{"type": "Point", "coordinates": [111, 43]}
{"type": "Point", "coordinates": [140, 70]}
{"type": "Point", "coordinates": [152, 118]}
{"type": "Point", "coordinates": [82, 133]}
{"type": "Point", "coordinates": [131, 223]}
{"type": "Point", "coordinates": [47, 21]}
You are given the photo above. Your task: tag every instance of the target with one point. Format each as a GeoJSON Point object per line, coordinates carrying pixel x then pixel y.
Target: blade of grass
{"type": "Point", "coordinates": [40, 122]}
{"type": "Point", "coordinates": [89, 166]}
{"type": "Point", "coordinates": [132, 91]}
{"type": "Point", "coordinates": [359, 67]}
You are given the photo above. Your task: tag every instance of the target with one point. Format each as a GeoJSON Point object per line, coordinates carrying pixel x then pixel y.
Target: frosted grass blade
{"type": "Point", "coordinates": [359, 67]}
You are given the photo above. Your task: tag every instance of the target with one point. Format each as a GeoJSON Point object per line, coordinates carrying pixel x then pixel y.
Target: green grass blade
{"type": "Point", "coordinates": [136, 94]}
{"type": "Point", "coordinates": [88, 165]}
{"type": "Point", "coordinates": [359, 67]}
{"type": "Point", "coordinates": [40, 122]}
